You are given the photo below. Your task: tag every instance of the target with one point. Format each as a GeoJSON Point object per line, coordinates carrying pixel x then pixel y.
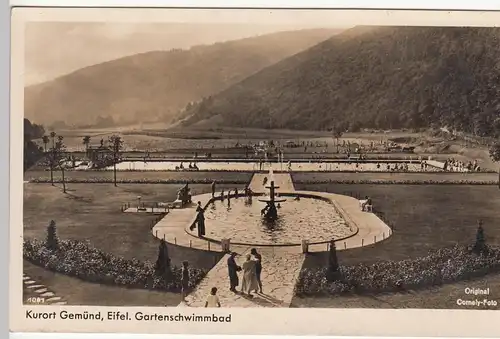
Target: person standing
{"type": "Point", "coordinates": [213, 189]}
{"type": "Point", "coordinates": [258, 267]}
{"type": "Point", "coordinates": [212, 299]}
{"type": "Point", "coordinates": [184, 280]}
{"type": "Point", "coordinates": [233, 270]}
{"type": "Point", "coordinates": [249, 282]}
{"type": "Point", "coordinates": [200, 220]}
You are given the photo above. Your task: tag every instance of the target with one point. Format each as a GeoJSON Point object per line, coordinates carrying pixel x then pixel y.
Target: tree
{"type": "Point", "coordinates": [116, 144]}
{"type": "Point", "coordinates": [495, 151]}
{"type": "Point", "coordinates": [86, 142]}
{"type": "Point", "coordinates": [52, 242]}
{"type": "Point", "coordinates": [45, 140]}
{"type": "Point", "coordinates": [162, 265]}
{"type": "Point", "coordinates": [60, 160]}
{"type": "Point", "coordinates": [480, 244]}
{"type": "Point", "coordinates": [333, 263]}
{"type": "Point", "coordinates": [495, 156]}
{"type": "Point", "coordinates": [52, 157]}
{"type": "Point", "coordinates": [337, 132]}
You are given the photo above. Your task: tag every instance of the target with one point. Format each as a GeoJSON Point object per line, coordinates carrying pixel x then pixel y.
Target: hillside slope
{"type": "Point", "coordinates": [387, 77]}
{"type": "Point", "coordinates": [156, 85]}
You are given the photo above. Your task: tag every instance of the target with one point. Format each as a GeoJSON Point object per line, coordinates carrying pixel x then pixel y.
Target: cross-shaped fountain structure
{"type": "Point", "coordinates": [270, 212]}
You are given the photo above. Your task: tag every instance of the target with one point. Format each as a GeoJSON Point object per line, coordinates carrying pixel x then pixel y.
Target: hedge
{"type": "Point", "coordinates": [243, 181]}
{"type": "Point", "coordinates": [136, 181]}
{"type": "Point", "coordinates": [400, 182]}
{"type": "Point", "coordinates": [439, 267]}
{"type": "Point", "coordinates": [79, 259]}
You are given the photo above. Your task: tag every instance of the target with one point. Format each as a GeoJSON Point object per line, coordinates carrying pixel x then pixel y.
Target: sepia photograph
{"type": "Point", "coordinates": [306, 164]}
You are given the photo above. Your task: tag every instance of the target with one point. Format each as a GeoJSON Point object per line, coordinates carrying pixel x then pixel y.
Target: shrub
{"type": "Point", "coordinates": [399, 182]}
{"type": "Point", "coordinates": [51, 242]}
{"type": "Point", "coordinates": [333, 263]}
{"type": "Point", "coordinates": [439, 267]}
{"type": "Point", "coordinates": [101, 180]}
{"type": "Point", "coordinates": [78, 259]}
{"type": "Point", "coordinates": [162, 265]}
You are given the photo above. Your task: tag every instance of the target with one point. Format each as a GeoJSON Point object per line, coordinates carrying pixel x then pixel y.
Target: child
{"type": "Point", "coordinates": [212, 299]}
{"type": "Point", "coordinates": [184, 280]}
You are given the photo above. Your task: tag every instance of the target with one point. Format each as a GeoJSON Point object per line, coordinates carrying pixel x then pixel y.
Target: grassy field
{"type": "Point", "coordinates": [146, 175]}
{"type": "Point", "coordinates": [424, 217]}
{"type": "Point", "coordinates": [92, 212]}
{"type": "Point", "coordinates": [78, 292]}
{"type": "Point", "coordinates": [166, 139]}
{"type": "Point", "coordinates": [392, 177]}
{"type": "Point", "coordinates": [245, 177]}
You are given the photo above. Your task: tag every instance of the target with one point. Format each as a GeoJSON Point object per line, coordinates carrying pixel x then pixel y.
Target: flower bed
{"type": "Point", "coordinates": [439, 267]}
{"type": "Point", "coordinates": [101, 180]}
{"type": "Point", "coordinates": [78, 259]}
{"type": "Point", "coordinates": [400, 182]}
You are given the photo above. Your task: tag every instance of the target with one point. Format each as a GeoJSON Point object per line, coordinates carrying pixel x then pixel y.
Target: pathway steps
{"type": "Point", "coordinates": [48, 297]}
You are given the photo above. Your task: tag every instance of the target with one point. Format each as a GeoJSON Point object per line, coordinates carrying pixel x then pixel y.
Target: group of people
{"type": "Point", "coordinates": [454, 165]}
{"type": "Point", "coordinates": [235, 193]}
{"type": "Point", "coordinates": [251, 271]}
{"type": "Point", "coordinates": [191, 167]}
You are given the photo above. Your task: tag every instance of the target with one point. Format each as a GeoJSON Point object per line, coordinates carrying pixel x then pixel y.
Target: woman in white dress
{"type": "Point", "coordinates": [249, 282]}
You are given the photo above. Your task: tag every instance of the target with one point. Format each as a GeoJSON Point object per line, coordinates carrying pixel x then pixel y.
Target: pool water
{"type": "Point", "coordinates": [253, 166]}
{"type": "Point", "coordinates": [241, 221]}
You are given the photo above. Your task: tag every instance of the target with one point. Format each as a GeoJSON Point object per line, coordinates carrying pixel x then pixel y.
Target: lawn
{"type": "Point", "coordinates": [145, 175]}
{"type": "Point", "coordinates": [424, 217]}
{"type": "Point", "coordinates": [92, 212]}
{"type": "Point", "coordinates": [311, 178]}
{"type": "Point", "coordinates": [78, 292]}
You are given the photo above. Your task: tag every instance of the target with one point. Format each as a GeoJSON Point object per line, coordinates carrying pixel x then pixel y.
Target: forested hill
{"type": "Point", "coordinates": [155, 86]}
{"type": "Point", "coordinates": [385, 77]}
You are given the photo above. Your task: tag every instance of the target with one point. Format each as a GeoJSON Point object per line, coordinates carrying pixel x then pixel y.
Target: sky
{"type": "Point", "coordinates": [53, 49]}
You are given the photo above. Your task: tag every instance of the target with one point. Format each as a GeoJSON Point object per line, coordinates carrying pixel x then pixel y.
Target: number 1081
{"type": "Point", "coordinates": [36, 300]}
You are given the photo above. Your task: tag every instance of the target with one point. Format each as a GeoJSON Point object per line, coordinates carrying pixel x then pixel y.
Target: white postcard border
{"type": "Point", "coordinates": [348, 322]}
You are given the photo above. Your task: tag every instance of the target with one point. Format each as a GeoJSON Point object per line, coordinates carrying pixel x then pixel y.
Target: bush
{"type": "Point", "coordinates": [400, 182]}
{"type": "Point", "coordinates": [52, 243]}
{"type": "Point", "coordinates": [101, 180]}
{"type": "Point", "coordinates": [78, 259]}
{"type": "Point", "coordinates": [439, 267]}
{"type": "Point", "coordinates": [162, 266]}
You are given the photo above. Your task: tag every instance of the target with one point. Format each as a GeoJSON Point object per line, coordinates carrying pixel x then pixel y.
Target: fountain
{"type": "Point", "coordinates": [270, 212]}
{"type": "Point", "coordinates": [316, 217]}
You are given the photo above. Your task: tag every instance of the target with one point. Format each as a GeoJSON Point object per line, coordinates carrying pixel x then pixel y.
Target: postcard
{"type": "Point", "coordinates": [255, 171]}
